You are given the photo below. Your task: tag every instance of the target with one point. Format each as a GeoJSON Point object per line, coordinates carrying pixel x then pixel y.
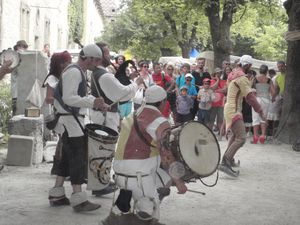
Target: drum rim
{"type": "Point", "coordinates": [110, 139]}
{"type": "Point", "coordinates": [219, 150]}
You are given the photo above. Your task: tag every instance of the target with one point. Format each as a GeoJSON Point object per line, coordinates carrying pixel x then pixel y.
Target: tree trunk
{"type": "Point", "coordinates": [289, 127]}
{"type": "Point", "coordinates": [220, 30]}
{"type": "Point", "coordinates": [166, 52]}
{"type": "Point", "coordinates": [185, 49]}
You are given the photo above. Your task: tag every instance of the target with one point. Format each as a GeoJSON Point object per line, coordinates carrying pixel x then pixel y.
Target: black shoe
{"type": "Point", "coordinates": [228, 170]}
{"type": "Point", "coordinates": [109, 189]}
{"type": "Point", "coordinates": [54, 201]}
{"type": "Point", "coordinates": [163, 192]}
{"type": "Point", "coordinates": [1, 167]}
{"type": "Point", "coordinates": [143, 215]}
{"type": "Point", "coordinates": [86, 207]}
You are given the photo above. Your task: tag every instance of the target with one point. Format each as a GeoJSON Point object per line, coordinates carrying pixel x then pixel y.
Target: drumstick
{"type": "Point", "coordinates": [197, 192]}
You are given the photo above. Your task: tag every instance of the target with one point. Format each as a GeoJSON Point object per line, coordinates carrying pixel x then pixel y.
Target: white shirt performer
{"type": "Point", "coordinates": [139, 155]}
{"type": "Point", "coordinates": [110, 88]}
{"type": "Point", "coordinates": [70, 98]}
{"type": "Point", "coordinates": [106, 85]}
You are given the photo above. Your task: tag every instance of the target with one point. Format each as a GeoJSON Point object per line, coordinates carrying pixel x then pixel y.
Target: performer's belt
{"type": "Point", "coordinates": [113, 108]}
{"type": "Point", "coordinates": [69, 114]}
{"type": "Point", "coordinates": [130, 176]}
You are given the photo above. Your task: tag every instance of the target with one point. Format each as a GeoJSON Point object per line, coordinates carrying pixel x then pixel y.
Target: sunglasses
{"type": "Point", "coordinates": [206, 82]}
{"type": "Point", "coordinates": [146, 66]}
{"type": "Point", "coordinates": [188, 79]}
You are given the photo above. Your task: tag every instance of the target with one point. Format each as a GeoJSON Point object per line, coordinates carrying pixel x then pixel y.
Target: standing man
{"type": "Point", "coordinates": [199, 75]}
{"type": "Point", "coordinates": [112, 91]}
{"type": "Point", "coordinates": [140, 153]}
{"type": "Point", "coordinates": [280, 83]}
{"type": "Point", "coordinates": [19, 47]}
{"type": "Point", "coordinates": [238, 87]}
{"type": "Point", "coordinates": [71, 102]}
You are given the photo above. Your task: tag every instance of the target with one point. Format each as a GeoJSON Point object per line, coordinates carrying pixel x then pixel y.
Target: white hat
{"type": "Point", "coordinates": [92, 50]}
{"type": "Point", "coordinates": [246, 60]}
{"type": "Point", "coordinates": [154, 94]}
{"type": "Point", "coordinates": [188, 75]}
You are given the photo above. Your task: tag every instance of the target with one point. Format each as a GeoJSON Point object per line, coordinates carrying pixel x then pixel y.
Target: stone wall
{"type": "Point", "coordinates": [33, 127]}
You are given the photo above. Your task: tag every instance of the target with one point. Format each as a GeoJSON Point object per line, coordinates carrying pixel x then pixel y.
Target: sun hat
{"type": "Point", "coordinates": [188, 75]}
{"type": "Point", "coordinates": [246, 60]}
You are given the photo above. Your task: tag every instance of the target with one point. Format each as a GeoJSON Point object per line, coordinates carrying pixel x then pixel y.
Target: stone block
{"type": "Point", "coordinates": [33, 127]}
{"type": "Point", "coordinates": [20, 149]}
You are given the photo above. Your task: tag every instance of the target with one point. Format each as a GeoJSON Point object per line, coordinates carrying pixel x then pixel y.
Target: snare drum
{"type": "Point", "coordinates": [101, 149]}
{"type": "Point", "coordinates": [196, 147]}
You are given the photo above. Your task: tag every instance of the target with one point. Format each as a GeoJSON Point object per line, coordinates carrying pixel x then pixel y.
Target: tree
{"type": "Point", "coordinates": [220, 16]}
{"type": "Point", "coordinates": [170, 27]}
{"type": "Point", "coordinates": [75, 17]}
{"type": "Point", "coordinates": [290, 120]}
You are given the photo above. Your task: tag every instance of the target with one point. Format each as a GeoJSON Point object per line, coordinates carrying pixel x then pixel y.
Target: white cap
{"type": "Point", "coordinates": [154, 94]}
{"type": "Point", "coordinates": [188, 75]}
{"type": "Point", "coordinates": [246, 60]}
{"type": "Point", "coordinates": [92, 50]}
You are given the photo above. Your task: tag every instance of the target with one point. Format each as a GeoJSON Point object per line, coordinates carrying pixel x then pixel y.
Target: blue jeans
{"type": "Point", "coordinates": [203, 116]}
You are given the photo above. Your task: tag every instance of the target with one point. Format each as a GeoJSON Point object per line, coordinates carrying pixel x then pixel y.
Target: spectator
{"type": "Point", "coordinates": [264, 90]}
{"type": "Point", "coordinates": [19, 47]}
{"type": "Point", "coordinates": [184, 103]}
{"type": "Point", "coordinates": [217, 110]}
{"type": "Point", "coordinates": [205, 98]}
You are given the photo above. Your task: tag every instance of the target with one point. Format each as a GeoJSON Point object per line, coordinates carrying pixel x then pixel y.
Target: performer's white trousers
{"type": "Point", "coordinates": [145, 188]}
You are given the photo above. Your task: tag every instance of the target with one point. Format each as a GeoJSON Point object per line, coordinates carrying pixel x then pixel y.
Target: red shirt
{"type": "Point", "coordinates": [161, 80]}
{"type": "Point", "coordinates": [219, 96]}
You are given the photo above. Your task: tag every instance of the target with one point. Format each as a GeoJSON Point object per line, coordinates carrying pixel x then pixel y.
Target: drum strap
{"type": "Point", "coordinates": [138, 131]}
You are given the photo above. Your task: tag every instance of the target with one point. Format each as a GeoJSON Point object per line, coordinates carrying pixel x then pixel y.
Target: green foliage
{"type": "Point", "coordinates": [263, 25]}
{"type": "Point", "coordinates": [5, 106]}
{"type": "Point", "coordinates": [75, 18]}
{"type": "Point", "coordinates": [143, 29]}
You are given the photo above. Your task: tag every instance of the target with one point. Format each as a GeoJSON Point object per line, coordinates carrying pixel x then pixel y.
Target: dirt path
{"type": "Point", "coordinates": [267, 192]}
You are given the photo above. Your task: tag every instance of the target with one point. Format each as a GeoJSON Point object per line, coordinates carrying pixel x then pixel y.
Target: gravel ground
{"type": "Point", "coordinates": [267, 192]}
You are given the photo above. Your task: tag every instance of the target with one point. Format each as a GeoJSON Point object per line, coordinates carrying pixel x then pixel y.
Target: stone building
{"type": "Point", "coordinates": [46, 21]}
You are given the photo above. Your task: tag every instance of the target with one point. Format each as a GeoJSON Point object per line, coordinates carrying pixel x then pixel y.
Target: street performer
{"type": "Point", "coordinates": [238, 87]}
{"type": "Point", "coordinates": [71, 101]}
{"type": "Point", "coordinates": [106, 85]}
{"type": "Point", "coordinates": [140, 155]}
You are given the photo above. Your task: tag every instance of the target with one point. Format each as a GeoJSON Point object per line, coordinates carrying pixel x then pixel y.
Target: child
{"type": "Point", "coordinates": [184, 103]}
{"type": "Point", "coordinates": [205, 98]}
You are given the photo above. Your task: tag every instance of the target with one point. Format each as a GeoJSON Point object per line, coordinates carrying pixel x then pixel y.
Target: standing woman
{"type": "Point", "coordinates": [58, 62]}
{"type": "Point", "coordinates": [148, 81]}
{"type": "Point", "coordinates": [264, 91]}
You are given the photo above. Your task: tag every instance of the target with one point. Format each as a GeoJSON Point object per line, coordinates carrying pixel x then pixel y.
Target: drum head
{"type": "Point", "coordinates": [11, 55]}
{"type": "Point", "coordinates": [199, 148]}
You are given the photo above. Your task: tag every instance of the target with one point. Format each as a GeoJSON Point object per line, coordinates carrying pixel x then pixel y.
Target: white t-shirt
{"type": "Point", "coordinates": [52, 81]}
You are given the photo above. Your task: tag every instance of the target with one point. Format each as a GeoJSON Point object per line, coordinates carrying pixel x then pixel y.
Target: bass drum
{"type": "Point", "coordinates": [196, 147]}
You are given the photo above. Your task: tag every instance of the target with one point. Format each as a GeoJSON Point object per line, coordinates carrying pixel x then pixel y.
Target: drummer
{"type": "Point", "coordinates": [71, 101]}
{"type": "Point", "coordinates": [139, 155]}
{"type": "Point", "coordinates": [107, 86]}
